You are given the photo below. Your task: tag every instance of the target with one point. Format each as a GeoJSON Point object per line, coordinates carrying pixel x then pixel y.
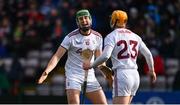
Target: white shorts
{"type": "Point", "coordinates": [78, 84]}
{"type": "Point", "coordinates": [126, 82]}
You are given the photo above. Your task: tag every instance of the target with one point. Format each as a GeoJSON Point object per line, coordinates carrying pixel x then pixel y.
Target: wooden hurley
{"type": "Point", "coordinates": [86, 55]}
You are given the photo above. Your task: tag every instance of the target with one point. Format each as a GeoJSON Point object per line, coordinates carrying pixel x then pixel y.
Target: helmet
{"type": "Point", "coordinates": [118, 18]}
{"type": "Point", "coordinates": [80, 13]}
{"type": "Point", "coordinates": [83, 12]}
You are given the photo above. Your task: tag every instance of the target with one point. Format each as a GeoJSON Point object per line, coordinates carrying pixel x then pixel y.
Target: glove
{"type": "Point", "coordinates": [108, 74]}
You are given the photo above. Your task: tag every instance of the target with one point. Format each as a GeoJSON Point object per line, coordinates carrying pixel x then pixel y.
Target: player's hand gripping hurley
{"type": "Point", "coordinates": [86, 55]}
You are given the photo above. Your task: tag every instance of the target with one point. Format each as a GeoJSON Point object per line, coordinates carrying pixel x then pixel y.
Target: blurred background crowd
{"type": "Point", "coordinates": [32, 30]}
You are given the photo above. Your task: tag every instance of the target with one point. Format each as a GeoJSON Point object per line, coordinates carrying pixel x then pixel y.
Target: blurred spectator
{"type": "Point", "coordinates": [4, 83]}
{"type": "Point", "coordinates": [33, 12]}
{"type": "Point", "coordinates": [152, 11]}
{"type": "Point", "coordinates": [3, 50]}
{"type": "Point", "coordinates": [5, 28]}
{"type": "Point", "coordinates": [168, 46]}
{"type": "Point", "coordinates": [15, 76]}
{"type": "Point", "coordinates": [46, 7]}
{"type": "Point", "coordinates": [19, 32]}
{"type": "Point", "coordinates": [45, 30]}
{"type": "Point", "coordinates": [17, 44]}
{"type": "Point", "coordinates": [57, 33]}
{"type": "Point", "coordinates": [32, 37]}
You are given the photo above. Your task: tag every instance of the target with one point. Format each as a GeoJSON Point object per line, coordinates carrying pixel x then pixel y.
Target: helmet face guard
{"type": "Point", "coordinates": [81, 13]}
{"type": "Point", "coordinates": [118, 19]}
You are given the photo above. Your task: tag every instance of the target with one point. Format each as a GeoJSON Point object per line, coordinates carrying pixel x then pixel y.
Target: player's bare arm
{"type": "Point", "coordinates": [52, 63]}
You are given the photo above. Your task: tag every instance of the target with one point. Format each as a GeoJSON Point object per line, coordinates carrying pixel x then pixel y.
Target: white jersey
{"type": "Point", "coordinates": [126, 45]}
{"type": "Point", "coordinates": [75, 42]}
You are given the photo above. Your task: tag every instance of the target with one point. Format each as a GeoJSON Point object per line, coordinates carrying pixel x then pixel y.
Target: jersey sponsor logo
{"type": "Point", "coordinates": [78, 42]}
{"type": "Point", "coordinates": [79, 50]}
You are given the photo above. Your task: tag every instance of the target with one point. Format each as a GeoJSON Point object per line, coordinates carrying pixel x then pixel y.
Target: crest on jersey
{"type": "Point", "coordinates": [87, 42]}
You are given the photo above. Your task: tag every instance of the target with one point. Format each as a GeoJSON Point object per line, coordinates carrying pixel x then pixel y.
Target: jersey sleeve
{"type": "Point", "coordinates": [100, 43]}
{"type": "Point", "coordinates": [104, 57]}
{"type": "Point", "coordinates": [66, 42]}
{"type": "Point", "coordinates": [147, 54]}
{"type": "Point", "coordinates": [109, 41]}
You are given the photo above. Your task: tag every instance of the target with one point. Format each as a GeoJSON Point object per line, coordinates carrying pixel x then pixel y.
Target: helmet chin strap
{"type": "Point", "coordinates": [115, 23]}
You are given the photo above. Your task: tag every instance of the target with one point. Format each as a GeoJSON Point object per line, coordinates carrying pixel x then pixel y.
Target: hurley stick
{"type": "Point", "coordinates": [86, 55]}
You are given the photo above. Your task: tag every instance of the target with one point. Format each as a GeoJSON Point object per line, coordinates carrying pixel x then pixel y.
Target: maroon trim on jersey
{"type": "Point", "coordinates": [115, 83]}
{"type": "Point", "coordinates": [96, 33]}
{"type": "Point", "coordinates": [75, 32]}
{"type": "Point", "coordinates": [63, 47]}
